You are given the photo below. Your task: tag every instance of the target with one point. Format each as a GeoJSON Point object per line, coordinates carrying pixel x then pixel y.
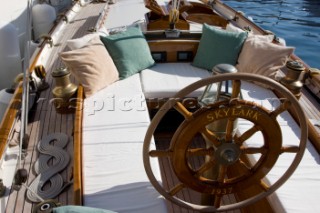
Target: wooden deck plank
{"type": "Point", "coordinates": [27, 161]}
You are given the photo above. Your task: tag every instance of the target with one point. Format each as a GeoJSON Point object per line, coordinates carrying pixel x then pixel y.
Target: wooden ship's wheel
{"type": "Point", "coordinates": [227, 151]}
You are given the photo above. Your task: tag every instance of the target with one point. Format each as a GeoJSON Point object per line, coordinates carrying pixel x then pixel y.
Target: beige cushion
{"type": "Point", "coordinates": [92, 66]}
{"type": "Point", "coordinates": [259, 55]}
{"type": "Point", "coordinates": [231, 28]}
{"type": "Point", "coordinates": [78, 43]}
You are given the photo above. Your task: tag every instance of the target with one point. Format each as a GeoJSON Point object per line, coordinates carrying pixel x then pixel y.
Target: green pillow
{"type": "Point", "coordinates": [218, 46]}
{"type": "Point", "coordinates": [129, 50]}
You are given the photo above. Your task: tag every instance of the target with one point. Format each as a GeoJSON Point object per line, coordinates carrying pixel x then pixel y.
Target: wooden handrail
{"type": "Point", "coordinates": [9, 118]}
{"type": "Point", "coordinates": [77, 148]}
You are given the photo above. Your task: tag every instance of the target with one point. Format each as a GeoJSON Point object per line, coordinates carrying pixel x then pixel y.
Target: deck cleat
{"type": "Point", "coordinates": [46, 206]}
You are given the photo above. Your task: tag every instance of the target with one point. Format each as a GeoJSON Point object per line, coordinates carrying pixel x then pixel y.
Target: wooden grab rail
{"type": "Point", "coordinates": [77, 148]}
{"type": "Point", "coordinates": [9, 118]}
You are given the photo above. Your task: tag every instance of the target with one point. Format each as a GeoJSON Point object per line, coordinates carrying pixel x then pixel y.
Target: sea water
{"type": "Point", "coordinates": [296, 21]}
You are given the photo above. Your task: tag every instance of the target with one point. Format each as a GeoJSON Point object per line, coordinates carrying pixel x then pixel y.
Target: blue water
{"type": "Point", "coordinates": [297, 21]}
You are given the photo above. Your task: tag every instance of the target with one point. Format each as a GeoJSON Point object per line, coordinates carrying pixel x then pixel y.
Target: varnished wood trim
{"type": "Point", "coordinates": [77, 169]}
{"type": "Point", "coordinates": [171, 47]}
{"type": "Point", "coordinates": [313, 135]}
{"type": "Point", "coordinates": [241, 20]}
{"type": "Point", "coordinates": [9, 118]}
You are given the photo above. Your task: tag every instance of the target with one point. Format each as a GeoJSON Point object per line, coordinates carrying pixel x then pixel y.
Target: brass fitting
{"type": "Point", "coordinates": [63, 17]}
{"type": "Point", "coordinates": [47, 39]}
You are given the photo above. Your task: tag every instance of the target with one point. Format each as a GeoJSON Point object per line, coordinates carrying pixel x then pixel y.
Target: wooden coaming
{"type": "Point", "coordinates": [77, 149]}
{"type": "Point", "coordinates": [156, 22]}
{"type": "Point", "coordinates": [172, 47]}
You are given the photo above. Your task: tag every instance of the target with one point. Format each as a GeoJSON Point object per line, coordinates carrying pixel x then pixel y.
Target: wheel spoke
{"type": "Point", "coordinates": [183, 111]}
{"type": "Point", "coordinates": [160, 153]}
{"type": "Point", "coordinates": [253, 150]}
{"type": "Point", "coordinates": [229, 130]}
{"type": "Point", "coordinates": [177, 188]}
{"type": "Point", "coordinates": [283, 107]}
{"type": "Point", "coordinates": [217, 201]}
{"type": "Point", "coordinates": [221, 177]}
{"type": "Point", "coordinates": [210, 136]}
{"type": "Point", "coordinates": [200, 152]}
{"type": "Point", "coordinates": [205, 167]}
{"type": "Point", "coordinates": [264, 185]}
{"type": "Point", "coordinates": [236, 86]}
{"type": "Point", "coordinates": [245, 166]}
{"type": "Point", "coordinates": [222, 173]}
{"type": "Point", "coordinates": [247, 134]}
{"type": "Point", "coordinates": [290, 149]}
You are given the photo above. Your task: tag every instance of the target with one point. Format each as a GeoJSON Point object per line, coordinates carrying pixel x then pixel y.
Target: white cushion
{"type": "Point", "coordinates": [113, 133]}
{"type": "Point", "coordinates": [165, 80]}
{"type": "Point", "coordinates": [120, 109]}
{"type": "Point", "coordinates": [115, 179]}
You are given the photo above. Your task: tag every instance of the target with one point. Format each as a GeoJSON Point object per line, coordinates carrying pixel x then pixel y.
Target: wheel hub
{"type": "Point", "coordinates": [227, 153]}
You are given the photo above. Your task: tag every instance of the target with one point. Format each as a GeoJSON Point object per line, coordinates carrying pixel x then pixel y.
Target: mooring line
{"type": "Point", "coordinates": [50, 147]}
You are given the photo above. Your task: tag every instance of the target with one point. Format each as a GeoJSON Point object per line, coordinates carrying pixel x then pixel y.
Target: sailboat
{"type": "Point", "coordinates": [156, 106]}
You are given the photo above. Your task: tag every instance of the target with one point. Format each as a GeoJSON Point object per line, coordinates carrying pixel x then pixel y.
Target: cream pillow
{"type": "Point", "coordinates": [92, 66]}
{"type": "Point", "coordinates": [78, 43]}
{"type": "Point", "coordinates": [260, 56]}
{"type": "Point", "coordinates": [231, 28]}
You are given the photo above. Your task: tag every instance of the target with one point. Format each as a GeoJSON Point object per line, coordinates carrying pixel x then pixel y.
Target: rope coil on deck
{"type": "Point", "coordinates": [52, 160]}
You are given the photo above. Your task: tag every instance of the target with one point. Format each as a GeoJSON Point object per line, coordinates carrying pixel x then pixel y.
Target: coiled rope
{"type": "Point", "coordinates": [173, 16]}
{"type": "Point", "coordinates": [46, 172]}
{"type": "Point", "coordinates": [174, 13]}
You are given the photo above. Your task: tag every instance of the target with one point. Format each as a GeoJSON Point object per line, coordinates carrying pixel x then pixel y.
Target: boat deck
{"type": "Point", "coordinates": [43, 118]}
